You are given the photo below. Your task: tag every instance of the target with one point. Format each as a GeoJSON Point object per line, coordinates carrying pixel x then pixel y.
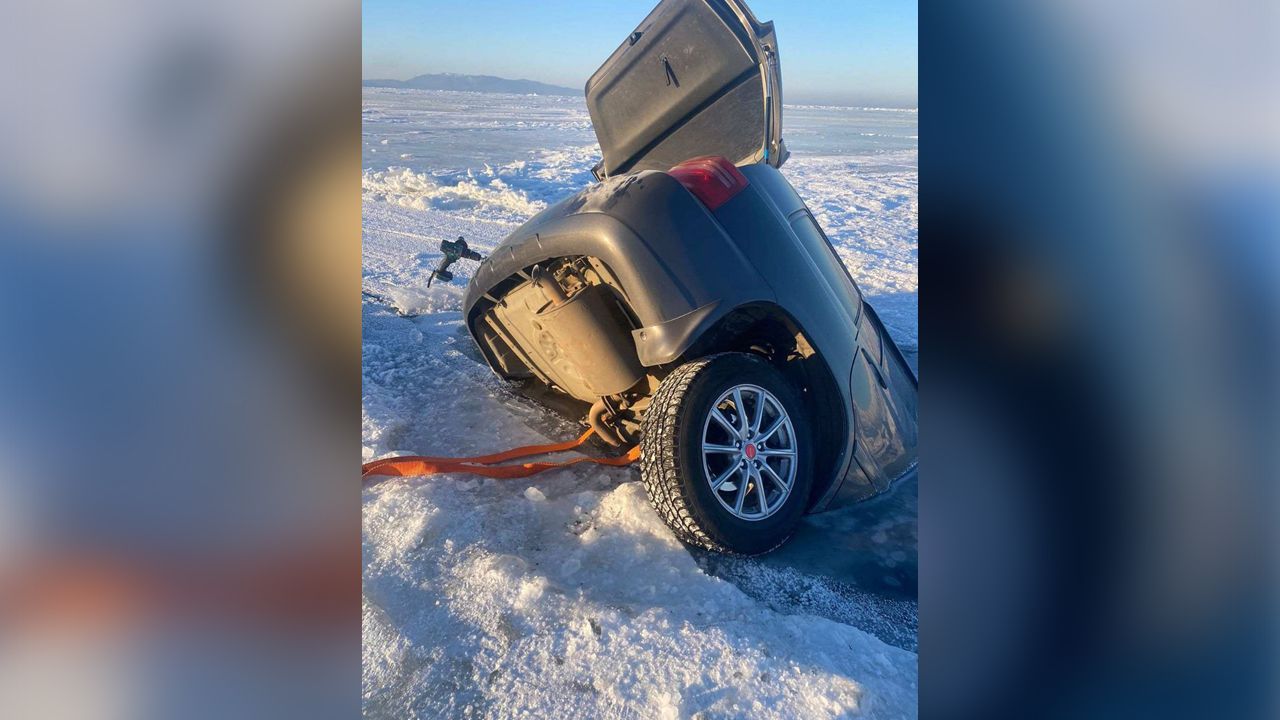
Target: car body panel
{"type": "Point", "coordinates": [782, 238]}
{"type": "Point", "coordinates": [657, 239]}
{"type": "Point", "coordinates": [681, 269]}
{"type": "Point", "coordinates": [696, 77]}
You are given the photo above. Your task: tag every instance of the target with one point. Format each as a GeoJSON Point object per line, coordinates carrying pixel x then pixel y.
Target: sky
{"type": "Point", "coordinates": [860, 52]}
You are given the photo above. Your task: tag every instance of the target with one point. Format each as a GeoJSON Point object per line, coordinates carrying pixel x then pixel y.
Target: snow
{"type": "Point", "coordinates": [586, 601]}
{"type": "Point", "coordinates": [420, 191]}
{"type": "Point", "coordinates": [565, 594]}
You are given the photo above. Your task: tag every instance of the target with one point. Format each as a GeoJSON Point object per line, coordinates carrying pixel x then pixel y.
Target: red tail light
{"type": "Point", "coordinates": [713, 180]}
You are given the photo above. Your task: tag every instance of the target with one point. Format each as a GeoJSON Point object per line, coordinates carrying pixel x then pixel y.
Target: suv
{"type": "Point", "coordinates": [690, 301]}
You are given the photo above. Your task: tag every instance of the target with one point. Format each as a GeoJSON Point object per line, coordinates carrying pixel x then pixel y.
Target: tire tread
{"type": "Point", "coordinates": [659, 459]}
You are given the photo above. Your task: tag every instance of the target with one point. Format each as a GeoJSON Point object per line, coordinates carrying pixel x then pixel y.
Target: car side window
{"type": "Point", "coordinates": [808, 230]}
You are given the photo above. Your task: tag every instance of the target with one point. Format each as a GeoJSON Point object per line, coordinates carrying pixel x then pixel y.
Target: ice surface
{"type": "Point", "coordinates": [566, 595]}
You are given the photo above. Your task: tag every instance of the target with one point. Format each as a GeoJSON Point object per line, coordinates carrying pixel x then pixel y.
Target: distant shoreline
{"type": "Point", "coordinates": [574, 93]}
{"type": "Point", "coordinates": [471, 83]}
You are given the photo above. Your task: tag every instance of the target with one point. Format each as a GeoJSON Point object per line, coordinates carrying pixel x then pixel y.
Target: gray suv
{"type": "Point", "coordinates": [690, 302]}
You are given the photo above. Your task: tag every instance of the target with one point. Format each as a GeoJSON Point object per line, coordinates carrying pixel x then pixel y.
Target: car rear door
{"type": "Point", "coordinates": [696, 77]}
{"type": "Point", "coordinates": [883, 390]}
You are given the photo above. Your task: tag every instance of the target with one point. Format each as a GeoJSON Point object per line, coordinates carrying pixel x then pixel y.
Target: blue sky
{"type": "Point", "coordinates": [852, 51]}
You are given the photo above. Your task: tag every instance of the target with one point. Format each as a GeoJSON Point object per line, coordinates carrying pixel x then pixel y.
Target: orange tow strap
{"type": "Point", "coordinates": [486, 465]}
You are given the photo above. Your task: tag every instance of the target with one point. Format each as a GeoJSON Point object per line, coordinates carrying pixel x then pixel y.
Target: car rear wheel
{"type": "Point", "coordinates": [725, 454]}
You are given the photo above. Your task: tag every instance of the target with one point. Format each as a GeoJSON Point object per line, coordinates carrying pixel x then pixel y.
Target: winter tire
{"type": "Point", "coordinates": [725, 454]}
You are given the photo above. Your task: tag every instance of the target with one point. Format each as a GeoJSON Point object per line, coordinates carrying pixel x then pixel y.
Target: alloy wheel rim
{"type": "Point", "coordinates": [749, 452]}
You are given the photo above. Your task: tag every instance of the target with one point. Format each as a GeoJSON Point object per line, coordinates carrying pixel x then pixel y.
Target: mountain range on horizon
{"type": "Point", "coordinates": [494, 84]}
{"type": "Point", "coordinates": [473, 83]}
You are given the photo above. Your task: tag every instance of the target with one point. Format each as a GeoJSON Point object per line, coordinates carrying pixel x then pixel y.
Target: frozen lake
{"type": "Point", "coordinates": [487, 598]}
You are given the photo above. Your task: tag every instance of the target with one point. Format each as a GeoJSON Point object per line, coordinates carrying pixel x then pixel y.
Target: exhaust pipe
{"type": "Point", "coordinates": [596, 418]}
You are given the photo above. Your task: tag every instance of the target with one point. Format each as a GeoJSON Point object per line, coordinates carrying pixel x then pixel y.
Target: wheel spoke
{"type": "Point", "coordinates": [720, 480]}
{"type": "Point", "coordinates": [782, 418]}
{"type": "Point", "coordinates": [724, 422]}
{"type": "Point", "coordinates": [776, 453]}
{"type": "Point", "coordinates": [714, 448]}
{"type": "Point", "coordinates": [777, 478]}
{"type": "Point", "coordinates": [742, 491]}
{"type": "Point", "coordinates": [764, 497]}
{"type": "Point", "coordinates": [742, 410]}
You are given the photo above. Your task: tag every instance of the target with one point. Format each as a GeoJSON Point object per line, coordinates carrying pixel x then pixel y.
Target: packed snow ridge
{"type": "Point", "coordinates": [491, 601]}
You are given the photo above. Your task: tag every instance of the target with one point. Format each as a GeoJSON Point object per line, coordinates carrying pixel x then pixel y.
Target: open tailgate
{"type": "Point", "coordinates": [696, 77]}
